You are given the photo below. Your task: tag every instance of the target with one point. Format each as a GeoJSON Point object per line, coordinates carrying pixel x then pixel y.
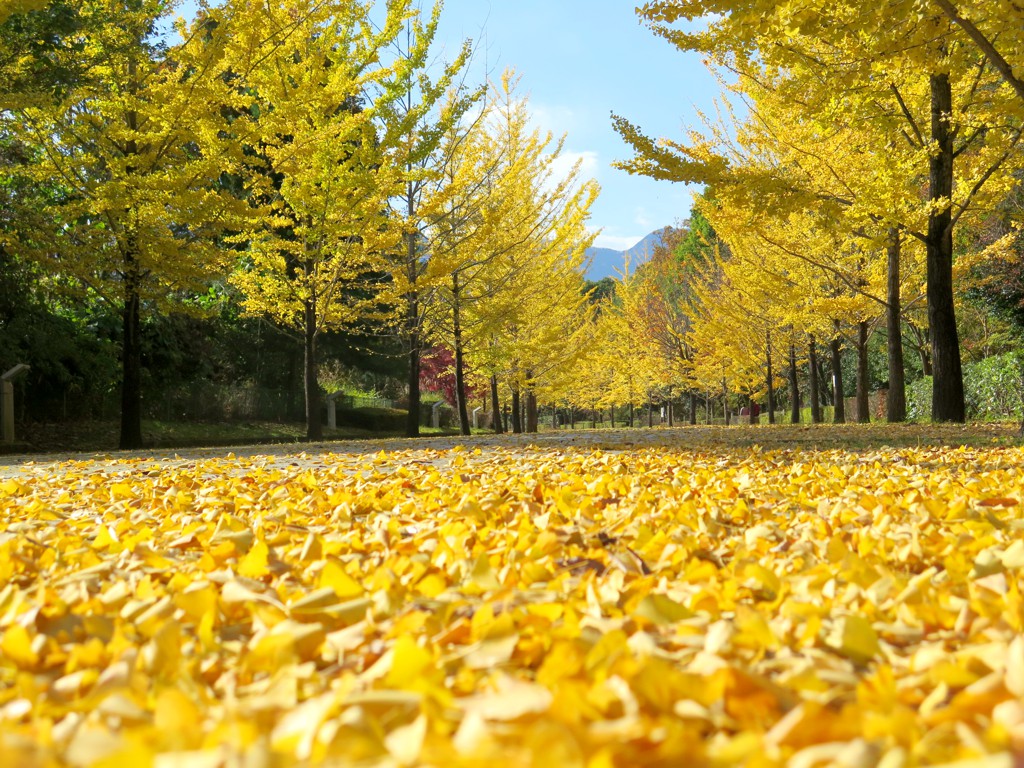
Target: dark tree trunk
{"type": "Point", "coordinates": [947, 375]}
{"type": "Point", "coordinates": [496, 413]}
{"type": "Point", "coordinates": [725, 401]}
{"type": "Point", "coordinates": [131, 363]}
{"type": "Point", "coordinates": [771, 378]}
{"type": "Point", "coordinates": [754, 417]}
{"type": "Point", "coordinates": [650, 414]}
{"type": "Point", "coordinates": [460, 387]}
{"type": "Point", "coordinates": [926, 361]}
{"type": "Point", "coordinates": [412, 322]}
{"type": "Point", "coordinates": [412, 422]}
{"type": "Point", "coordinates": [922, 344]}
{"type": "Point", "coordinates": [839, 409]}
{"type": "Point", "coordinates": [293, 395]}
{"type": "Point", "coordinates": [815, 394]}
{"type": "Point", "coordinates": [131, 314]}
{"type": "Point", "coordinates": [517, 417]}
{"type": "Point", "coordinates": [896, 400]}
{"type": "Point", "coordinates": [825, 374]}
{"type": "Point", "coordinates": [794, 388]}
{"type": "Point", "coordinates": [531, 405]}
{"type": "Point", "coordinates": [314, 428]}
{"type": "Point", "coordinates": [460, 366]}
{"type": "Point", "coordinates": [671, 416]}
{"type": "Point", "coordinates": [631, 414]}
{"type": "Point", "coordinates": [611, 415]}
{"type": "Point", "coordinates": [863, 400]}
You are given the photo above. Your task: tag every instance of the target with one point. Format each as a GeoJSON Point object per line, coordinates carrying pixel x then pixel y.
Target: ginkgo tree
{"type": "Point", "coordinates": [893, 66]}
{"type": "Point", "coordinates": [319, 244]}
{"type": "Point", "coordinates": [133, 150]}
{"type": "Point", "coordinates": [514, 241]}
{"type": "Point", "coordinates": [432, 119]}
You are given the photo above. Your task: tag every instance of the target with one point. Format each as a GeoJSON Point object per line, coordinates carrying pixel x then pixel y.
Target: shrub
{"type": "Point", "coordinates": [992, 390]}
{"type": "Point", "coordinates": [992, 387]}
{"type": "Point", "coordinates": [919, 399]}
{"type": "Point", "coordinates": [373, 419]}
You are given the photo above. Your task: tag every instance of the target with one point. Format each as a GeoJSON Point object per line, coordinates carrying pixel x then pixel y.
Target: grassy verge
{"type": "Point", "coordinates": [103, 435]}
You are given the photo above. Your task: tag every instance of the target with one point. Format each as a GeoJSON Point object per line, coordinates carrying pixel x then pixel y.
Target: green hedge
{"type": "Point", "coordinates": [374, 419]}
{"type": "Point", "coordinates": [992, 390]}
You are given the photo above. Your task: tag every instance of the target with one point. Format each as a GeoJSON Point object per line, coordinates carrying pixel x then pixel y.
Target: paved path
{"type": "Point", "coordinates": [853, 437]}
{"type": "Point", "coordinates": [313, 454]}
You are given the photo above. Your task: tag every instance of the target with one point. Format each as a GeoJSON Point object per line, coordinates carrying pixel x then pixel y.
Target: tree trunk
{"type": "Point", "coordinates": [863, 401]}
{"type": "Point", "coordinates": [650, 414]}
{"type": "Point", "coordinates": [754, 417]}
{"type": "Point", "coordinates": [631, 414]}
{"type": "Point", "coordinates": [922, 344]}
{"type": "Point", "coordinates": [815, 394]}
{"type": "Point", "coordinates": [131, 363]}
{"type": "Point", "coordinates": [825, 374]}
{"type": "Point", "coordinates": [460, 367]}
{"type": "Point", "coordinates": [771, 378]}
{"type": "Point", "coordinates": [725, 401]}
{"type": "Point", "coordinates": [496, 413]}
{"type": "Point", "coordinates": [896, 400]}
{"type": "Point", "coordinates": [314, 427]}
{"type": "Point", "coordinates": [671, 420]}
{"type": "Point", "coordinates": [794, 388]}
{"type": "Point", "coordinates": [412, 331]}
{"type": "Point", "coordinates": [531, 405]}
{"type": "Point", "coordinates": [517, 419]}
{"type": "Point", "coordinates": [131, 314]}
{"type": "Point", "coordinates": [839, 409]}
{"type": "Point", "coordinates": [460, 387]}
{"type": "Point", "coordinates": [947, 375]}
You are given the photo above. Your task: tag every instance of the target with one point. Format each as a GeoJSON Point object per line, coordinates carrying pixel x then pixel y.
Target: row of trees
{"type": "Point", "coordinates": [311, 164]}
{"type": "Point", "coordinates": [310, 161]}
{"type": "Point", "coordinates": [863, 164]}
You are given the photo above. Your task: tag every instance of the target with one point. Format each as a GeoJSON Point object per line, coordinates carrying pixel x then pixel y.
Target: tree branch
{"type": "Point", "coordinates": [995, 58]}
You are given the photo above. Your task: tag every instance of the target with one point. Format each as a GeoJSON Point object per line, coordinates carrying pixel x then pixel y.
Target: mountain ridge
{"type": "Point", "coordinates": [608, 262]}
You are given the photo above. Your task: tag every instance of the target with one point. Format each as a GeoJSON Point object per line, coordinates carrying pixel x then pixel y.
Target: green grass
{"type": "Point", "coordinates": [103, 435]}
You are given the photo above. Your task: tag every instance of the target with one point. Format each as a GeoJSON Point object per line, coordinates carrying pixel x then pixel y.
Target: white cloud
{"type": "Point", "coordinates": [643, 218]}
{"type": "Point", "coordinates": [617, 242]}
{"type": "Point", "coordinates": [556, 118]}
{"type": "Point", "coordinates": [564, 163]}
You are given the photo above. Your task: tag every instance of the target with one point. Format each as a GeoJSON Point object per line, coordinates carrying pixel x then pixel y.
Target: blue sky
{"type": "Point", "coordinates": [580, 60]}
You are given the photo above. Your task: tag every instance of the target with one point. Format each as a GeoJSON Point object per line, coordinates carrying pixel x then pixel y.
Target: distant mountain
{"type": "Point", "coordinates": [603, 262]}
{"type": "Point", "coordinates": [607, 262]}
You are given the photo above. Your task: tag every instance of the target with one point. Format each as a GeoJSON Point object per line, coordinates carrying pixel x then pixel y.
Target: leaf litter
{"type": "Point", "coordinates": [545, 605]}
